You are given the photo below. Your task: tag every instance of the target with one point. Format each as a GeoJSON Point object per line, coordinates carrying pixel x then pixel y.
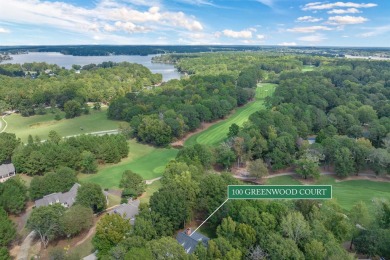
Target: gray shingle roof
{"type": "Point", "coordinates": [6, 169]}
{"type": "Point", "coordinates": [66, 199]}
{"type": "Point", "coordinates": [127, 210]}
{"type": "Point", "coordinates": [190, 242]}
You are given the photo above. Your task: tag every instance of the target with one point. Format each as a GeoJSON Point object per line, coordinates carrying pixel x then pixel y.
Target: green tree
{"type": "Point", "coordinates": [76, 219]}
{"type": "Point", "coordinates": [233, 130]}
{"type": "Point", "coordinates": [13, 195]}
{"type": "Point", "coordinates": [46, 222]}
{"type": "Point", "coordinates": [88, 162]}
{"type": "Point", "coordinates": [72, 108]}
{"type": "Point", "coordinates": [8, 143]}
{"type": "Point", "coordinates": [91, 195]}
{"type": "Point", "coordinates": [225, 156]}
{"type": "Point", "coordinates": [166, 248]}
{"type": "Point", "coordinates": [54, 137]}
{"type": "Point", "coordinates": [133, 184]}
{"type": "Point", "coordinates": [343, 162]}
{"type": "Point", "coordinates": [136, 253]}
{"type": "Point", "coordinates": [257, 168]}
{"type": "Point", "coordinates": [315, 250]}
{"type": "Point", "coordinates": [4, 254]}
{"type": "Point", "coordinates": [7, 229]}
{"type": "Point", "coordinates": [308, 166]}
{"type": "Point", "coordinates": [110, 230]}
{"type": "Point", "coordinates": [295, 226]}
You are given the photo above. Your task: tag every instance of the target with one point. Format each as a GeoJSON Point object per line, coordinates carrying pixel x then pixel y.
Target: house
{"type": "Point", "coordinates": [190, 241]}
{"type": "Point", "coordinates": [7, 171]}
{"type": "Point", "coordinates": [66, 199]}
{"type": "Point", "coordinates": [127, 210]}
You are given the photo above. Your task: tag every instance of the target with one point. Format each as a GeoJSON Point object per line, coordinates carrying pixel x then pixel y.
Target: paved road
{"type": "Point", "coordinates": [25, 247]}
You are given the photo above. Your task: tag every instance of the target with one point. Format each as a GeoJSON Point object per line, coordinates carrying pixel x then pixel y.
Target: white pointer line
{"type": "Point", "coordinates": [209, 216]}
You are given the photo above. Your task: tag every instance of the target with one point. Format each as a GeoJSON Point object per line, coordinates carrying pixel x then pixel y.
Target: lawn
{"type": "Point", "coordinates": [41, 125]}
{"type": "Point", "coordinates": [150, 189]}
{"type": "Point", "coordinates": [308, 68]}
{"type": "Point", "coordinates": [147, 161]}
{"type": "Point", "coordinates": [346, 193]}
{"type": "Point", "coordinates": [217, 133]}
{"type": "Point", "coordinates": [282, 180]}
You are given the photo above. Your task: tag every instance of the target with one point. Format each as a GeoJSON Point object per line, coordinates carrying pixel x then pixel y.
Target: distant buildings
{"type": "Point", "coordinates": [7, 171]}
{"type": "Point", "coordinates": [66, 199]}
{"type": "Point", "coordinates": [127, 211]}
{"type": "Point", "coordinates": [190, 241]}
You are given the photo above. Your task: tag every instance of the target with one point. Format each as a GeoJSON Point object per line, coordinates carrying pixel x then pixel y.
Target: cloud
{"type": "Point", "coordinates": [322, 6]}
{"type": "Point", "coordinates": [260, 37]}
{"type": "Point", "coordinates": [287, 44]}
{"type": "Point", "coordinates": [269, 3]}
{"type": "Point", "coordinates": [247, 34]}
{"type": "Point", "coordinates": [376, 31]}
{"type": "Point", "coordinates": [313, 38]}
{"type": "Point", "coordinates": [3, 30]}
{"type": "Point", "coordinates": [344, 11]}
{"type": "Point", "coordinates": [343, 20]}
{"type": "Point", "coordinates": [196, 2]}
{"type": "Point", "coordinates": [106, 16]}
{"type": "Point", "coordinates": [309, 29]}
{"type": "Point", "coordinates": [310, 19]}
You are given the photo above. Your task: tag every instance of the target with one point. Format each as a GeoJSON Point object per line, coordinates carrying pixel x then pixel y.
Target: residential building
{"type": "Point", "coordinates": [66, 199]}
{"type": "Point", "coordinates": [7, 171]}
{"type": "Point", "coordinates": [127, 210]}
{"type": "Point", "coordinates": [190, 240]}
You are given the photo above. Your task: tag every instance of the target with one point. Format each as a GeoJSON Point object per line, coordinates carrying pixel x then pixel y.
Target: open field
{"type": "Point", "coordinates": [346, 193]}
{"type": "Point", "coordinates": [41, 125]}
{"type": "Point", "coordinates": [147, 161]}
{"type": "Point", "coordinates": [217, 133]}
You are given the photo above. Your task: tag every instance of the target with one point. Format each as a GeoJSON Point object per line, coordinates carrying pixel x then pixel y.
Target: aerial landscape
{"type": "Point", "coordinates": [202, 129]}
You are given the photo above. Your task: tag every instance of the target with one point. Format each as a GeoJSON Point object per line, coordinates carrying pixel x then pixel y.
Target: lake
{"type": "Point", "coordinates": [168, 71]}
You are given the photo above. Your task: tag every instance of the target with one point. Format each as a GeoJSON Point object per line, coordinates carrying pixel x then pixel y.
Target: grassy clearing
{"type": "Point", "coordinates": [308, 68]}
{"type": "Point", "coordinates": [346, 193]}
{"type": "Point", "coordinates": [41, 125]}
{"type": "Point", "coordinates": [217, 133]}
{"type": "Point", "coordinates": [147, 161]}
{"type": "Point", "coordinates": [150, 189]}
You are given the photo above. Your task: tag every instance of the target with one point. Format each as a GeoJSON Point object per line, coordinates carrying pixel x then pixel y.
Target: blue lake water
{"type": "Point", "coordinates": [168, 71]}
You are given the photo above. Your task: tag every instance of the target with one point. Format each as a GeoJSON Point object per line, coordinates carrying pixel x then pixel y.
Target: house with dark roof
{"type": "Point", "coordinates": [66, 199]}
{"type": "Point", "coordinates": [190, 240]}
{"type": "Point", "coordinates": [7, 171]}
{"type": "Point", "coordinates": [127, 210]}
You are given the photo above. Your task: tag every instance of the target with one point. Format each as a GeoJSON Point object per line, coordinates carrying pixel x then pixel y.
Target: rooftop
{"type": "Point", "coordinates": [190, 241]}
{"type": "Point", "coordinates": [127, 210]}
{"type": "Point", "coordinates": [66, 199]}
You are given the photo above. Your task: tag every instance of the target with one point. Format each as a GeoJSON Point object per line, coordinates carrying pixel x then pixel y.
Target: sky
{"type": "Point", "coordinates": [195, 22]}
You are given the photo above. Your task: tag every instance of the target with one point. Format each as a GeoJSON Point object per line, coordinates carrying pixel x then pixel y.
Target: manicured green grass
{"type": "Point", "coordinates": [217, 133]}
{"type": "Point", "coordinates": [282, 180]}
{"type": "Point", "coordinates": [147, 161]}
{"type": "Point", "coordinates": [308, 68]}
{"type": "Point", "coordinates": [346, 193]}
{"type": "Point", "coordinates": [150, 189]}
{"type": "Point", "coordinates": [41, 125]}
{"type": "Point", "coordinates": [113, 200]}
